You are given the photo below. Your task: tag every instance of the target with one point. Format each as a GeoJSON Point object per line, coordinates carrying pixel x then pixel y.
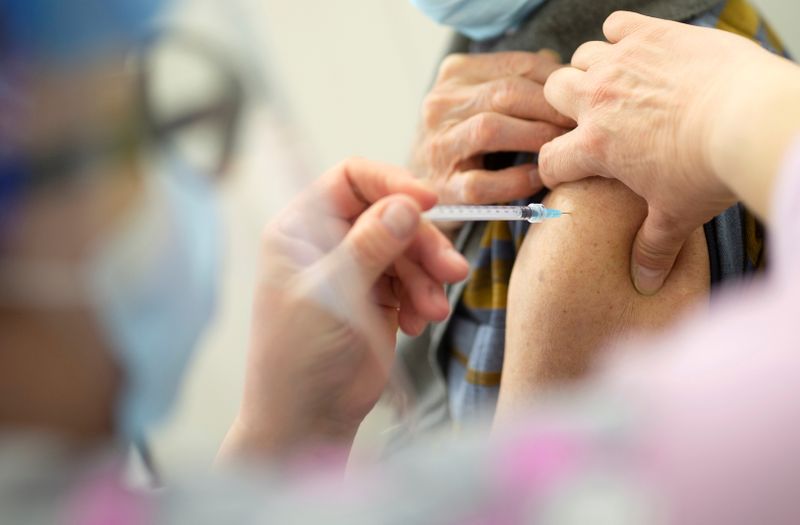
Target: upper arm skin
{"type": "Point", "coordinates": [571, 290]}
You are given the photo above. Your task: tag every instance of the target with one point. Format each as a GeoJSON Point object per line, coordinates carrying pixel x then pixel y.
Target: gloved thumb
{"type": "Point", "coordinates": [655, 249]}
{"type": "Point", "coordinates": [377, 239]}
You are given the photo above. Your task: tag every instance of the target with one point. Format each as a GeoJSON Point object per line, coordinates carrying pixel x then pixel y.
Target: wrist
{"type": "Point", "coordinates": [242, 446]}
{"type": "Point", "coordinates": [284, 438]}
{"type": "Point", "coordinates": [720, 112]}
{"type": "Point", "coordinates": [756, 123]}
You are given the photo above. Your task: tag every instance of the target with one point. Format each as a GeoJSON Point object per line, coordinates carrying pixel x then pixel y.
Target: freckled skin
{"type": "Point", "coordinates": [571, 291]}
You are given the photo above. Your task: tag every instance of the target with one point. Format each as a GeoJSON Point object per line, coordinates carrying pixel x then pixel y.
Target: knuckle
{"type": "Point", "coordinates": [587, 55]}
{"type": "Point", "coordinates": [452, 65]}
{"type": "Point", "coordinates": [616, 21]}
{"type": "Point", "coordinates": [583, 48]}
{"type": "Point", "coordinates": [654, 33]}
{"type": "Point", "coordinates": [484, 129]}
{"type": "Point", "coordinates": [525, 62]}
{"type": "Point", "coordinates": [555, 82]}
{"type": "Point", "coordinates": [433, 108]}
{"type": "Point", "coordinates": [503, 95]}
{"type": "Point", "coordinates": [595, 140]}
{"type": "Point", "coordinates": [603, 91]}
{"type": "Point", "coordinates": [435, 151]}
{"type": "Point", "coordinates": [471, 190]}
{"type": "Point", "coordinates": [626, 55]}
{"type": "Point", "coordinates": [365, 250]}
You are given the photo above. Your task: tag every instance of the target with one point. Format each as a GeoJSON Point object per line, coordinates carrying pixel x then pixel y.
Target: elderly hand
{"type": "Point", "coordinates": [648, 105]}
{"type": "Point", "coordinates": [344, 265]}
{"type": "Point", "coordinates": [485, 104]}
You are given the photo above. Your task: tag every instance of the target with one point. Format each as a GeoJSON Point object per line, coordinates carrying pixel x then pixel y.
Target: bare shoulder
{"type": "Point", "coordinates": [571, 292]}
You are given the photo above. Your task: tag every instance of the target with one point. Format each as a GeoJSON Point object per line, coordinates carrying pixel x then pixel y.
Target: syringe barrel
{"type": "Point", "coordinates": [533, 213]}
{"type": "Point", "coordinates": [476, 213]}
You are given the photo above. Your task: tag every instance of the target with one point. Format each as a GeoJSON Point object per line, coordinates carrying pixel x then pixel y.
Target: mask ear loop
{"type": "Point", "coordinates": [142, 447]}
{"type": "Point", "coordinates": [137, 61]}
{"type": "Point", "coordinates": [401, 399]}
{"type": "Point", "coordinates": [228, 113]}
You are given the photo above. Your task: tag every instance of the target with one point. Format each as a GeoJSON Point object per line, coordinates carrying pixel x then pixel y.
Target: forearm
{"type": "Point", "coordinates": [756, 124]}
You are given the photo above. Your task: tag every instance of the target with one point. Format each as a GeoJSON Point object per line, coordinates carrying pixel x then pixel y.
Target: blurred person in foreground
{"type": "Point", "coordinates": [107, 280]}
{"type": "Point", "coordinates": [110, 247]}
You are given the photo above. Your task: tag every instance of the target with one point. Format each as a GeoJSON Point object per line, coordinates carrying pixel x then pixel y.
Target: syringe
{"type": "Point", "coordinates": [533, 213]}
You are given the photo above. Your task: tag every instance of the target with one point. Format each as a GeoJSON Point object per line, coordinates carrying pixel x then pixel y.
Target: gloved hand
{"type": "Point", "coordinates": [346, 264]}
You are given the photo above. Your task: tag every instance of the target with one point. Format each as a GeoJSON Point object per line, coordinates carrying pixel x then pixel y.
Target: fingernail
{"type": "Point", "coordinates": [400, 219]}
{"type": "Point", "coordinates": [646, 280]}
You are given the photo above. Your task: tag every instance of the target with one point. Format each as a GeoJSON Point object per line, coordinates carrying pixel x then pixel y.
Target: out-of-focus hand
{"type": "Point", "coordinates": [486, 104]}
{"type": "Point", "coordinates": [646, 103]}
{"type": "Point", "coordinates": [346, 264]}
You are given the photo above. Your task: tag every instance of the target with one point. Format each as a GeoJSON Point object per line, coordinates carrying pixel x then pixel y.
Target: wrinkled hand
{"type": "Point", "coordinates": [645, 102]}
{"type": "Point", "coordinates": [343, 266]}
{"type": "Point", "coordinates": [486, 104]}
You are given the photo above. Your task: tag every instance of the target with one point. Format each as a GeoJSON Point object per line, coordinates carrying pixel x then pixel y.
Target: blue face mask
{"type": "Point", "coordinates": [154, 287]}
{"type": "Point", "coordinates": [478, 19]}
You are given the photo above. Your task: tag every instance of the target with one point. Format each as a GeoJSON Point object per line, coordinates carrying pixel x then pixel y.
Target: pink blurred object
{"type": "Point", "coordinates": [104, 500]}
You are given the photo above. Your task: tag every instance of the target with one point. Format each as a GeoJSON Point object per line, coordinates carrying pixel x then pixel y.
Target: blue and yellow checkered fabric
{"type": "Point", "coordinates": [474, 343]}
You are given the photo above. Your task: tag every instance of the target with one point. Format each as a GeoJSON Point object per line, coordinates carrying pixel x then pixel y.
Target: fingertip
{"type": "Point", "coordinates": [449, 266]}
{"type": "Point", "coordinates": [439, 305]}
{"type": "Point", "coordinates": [443, 315]}
{"type": "Point", "coordinates": [564, 160]}
{"type": "Point", "coordinates": [612, 24]}
{"type": "Point", "coordinates": [620, 24]}
{"type": "Point", "coordinates": [428, 200]}
{"type": "Point", "coordinates": [551, 86]}
{"type": "Point", "coordinates": [459, 264]}
{"type": "Point", "coordinates": [563, 91]}
{"type": "Point", "coordinates": [411, 324]}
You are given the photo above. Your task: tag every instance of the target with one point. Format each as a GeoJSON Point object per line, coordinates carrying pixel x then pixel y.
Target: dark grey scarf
{"type": "Point", "coordinates": [563, 25]}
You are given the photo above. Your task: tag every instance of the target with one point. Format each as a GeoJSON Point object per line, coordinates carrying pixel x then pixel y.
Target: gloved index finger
{"type": "Point", "coordinates": [350, 188]}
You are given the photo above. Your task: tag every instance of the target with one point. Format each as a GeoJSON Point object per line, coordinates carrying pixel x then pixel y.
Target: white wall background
{"type": "Point", "coordinates": [784, 15]}
{"type": "Point", "coordinates": [348, 76]}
